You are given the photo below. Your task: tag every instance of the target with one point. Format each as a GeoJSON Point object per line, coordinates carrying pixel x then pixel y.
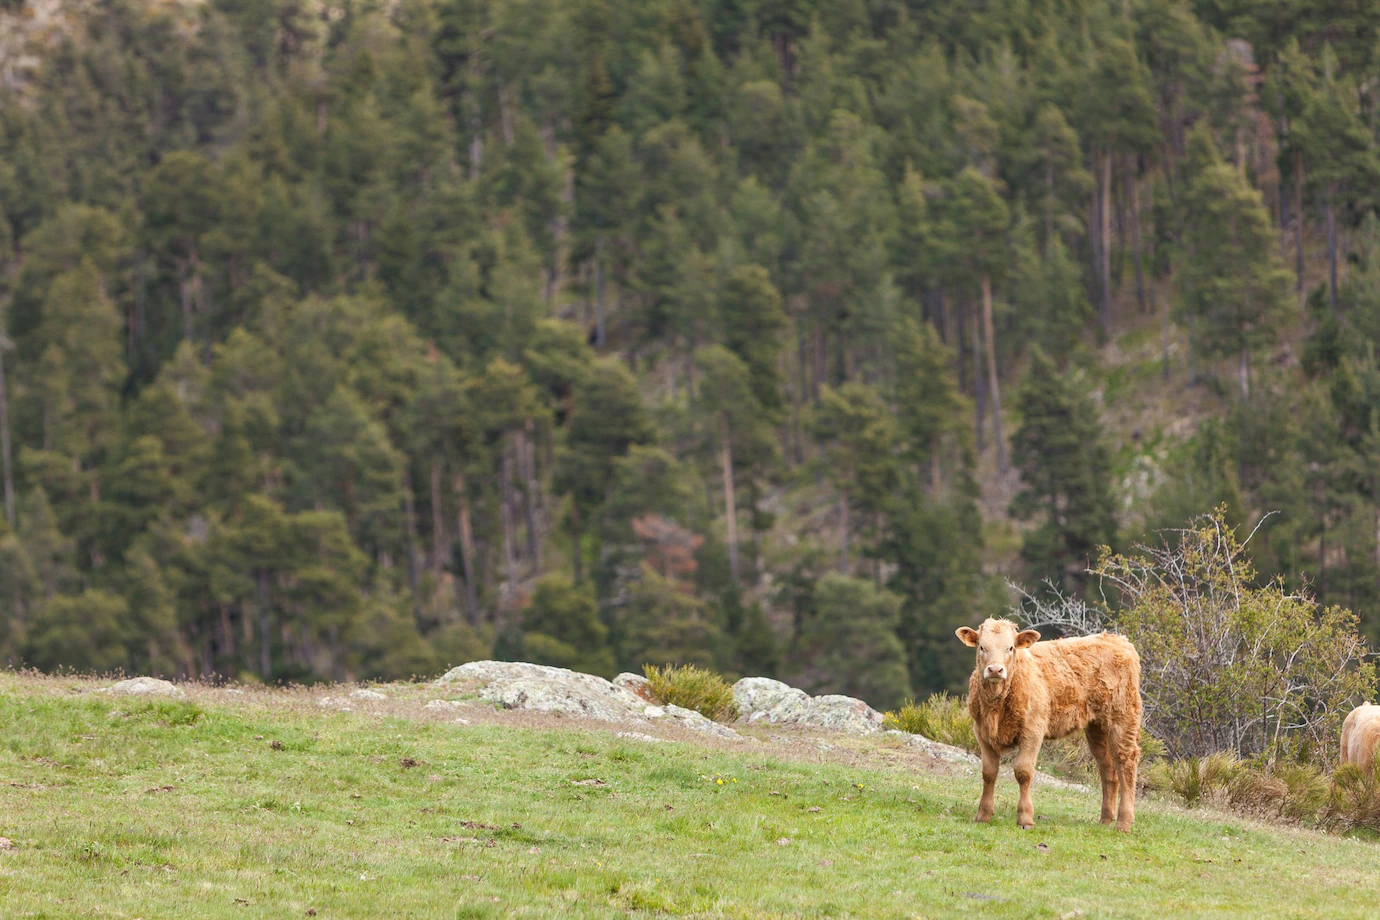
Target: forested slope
{"type": "Point", "coordinates": [353, 340]}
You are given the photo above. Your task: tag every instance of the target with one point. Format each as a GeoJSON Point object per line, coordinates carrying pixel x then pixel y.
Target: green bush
{"type": "Point", "coordinates": [692, 688]}
{"type": "Point", "coordinates": [941, 718]}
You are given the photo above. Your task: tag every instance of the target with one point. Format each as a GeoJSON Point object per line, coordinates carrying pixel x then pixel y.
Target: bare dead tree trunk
{"type": "Point", "coordinates": [1332, 245]}
{"type": "Point", "coordinates": [1049, 205]}
{"type": "Point", "coordinates": [467, 559]}
{"type": "Point", "coordinates": [185, 289]}
{"type": "Point", "coordinates": [1106, 268]}
{"type": "Point", "coordinates": [531, 493]}
{"type": "Point", "coordinates": [1243, 370]}
{"type": "Point", "coordinates": [599, 294]}
{"type": "Point", "coordinates": [410, 514]}
{"type": "Point", "coordinates": [979, 391]}
{"type": "Point", "coordinates": [730, 507]}
{"type": "Point", "coordinates": [439, 548]}
{"type": "Point", "coordinates": [797, 392]}
{"type": "Point", "coordinates": [5, 436]}
{"type": "Point", "coordinates": [1095, 242]}
{"type": "Point", "coordinates": [505, 114]}
{"type": "Point", "coordinates": [1298, 227]}
{"type": "Point", "coordinates": [1164, 328]}
{"type": "Point", "coordinates": [1377, 536]}
{"type": "Point", "coordinates": [1133, 187]}
{"type": "Point", "coordinates": [577, 553]}
{"type": "Point", "coordinates": [845, 524]}
{"type": "Point", "coordinates": [820, 363]}
{"type": "Point", "coordinates": [507, 513]}
{"type": "Point", "coordinates": [265, 639]}
{"type": "Point", "coordinates": [992, 371]}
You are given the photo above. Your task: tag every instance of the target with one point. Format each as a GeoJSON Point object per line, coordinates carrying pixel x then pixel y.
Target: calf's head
{"type": "Point", "coordinates": [997, 642]}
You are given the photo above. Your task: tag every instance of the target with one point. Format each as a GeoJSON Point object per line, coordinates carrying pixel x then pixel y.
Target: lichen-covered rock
{"type": "Point", "coordinates": [842, 714]}
{"type": "Point", "coordinates": [145, 686]}
{"type": "Point", "coordinates": [363, 694]}
{"type": "Point", "coordinates": [764, 699]}
{"type": "Point", "coordinates": [635, 684]}
{"type": "Point", "coordinates": [446, 705]}
{"type": "Point", "coordinates": [761, 699]}
{"type": "Point", "coordinates": [542, 688]}
{"type": "Point", "coordinates": [488, 671]}
{"type": "Point", "coordinates": [692, 720]}
{"type": "Point", "coordinates": [574, 694]}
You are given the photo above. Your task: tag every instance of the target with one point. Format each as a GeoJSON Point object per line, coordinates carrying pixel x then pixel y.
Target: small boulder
{"type": "Point", "coordinates": [365, 694]}
{"type": "Point", "coordinates": [635, 684]}
{"type": "Point", "coordinates": [842, 714]}
{"type": "Point", "coordinates": [764, 699]}
{"type": "Point", "coordinates": [145, 686]}
{"type": "Point", "coordinates": [572, 694]}
{"type": "Point", "coordinates": [488, 671]}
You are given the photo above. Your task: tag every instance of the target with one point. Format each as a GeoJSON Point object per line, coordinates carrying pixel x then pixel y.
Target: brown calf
{"type": "Point", "coordinates": [1024, 691]}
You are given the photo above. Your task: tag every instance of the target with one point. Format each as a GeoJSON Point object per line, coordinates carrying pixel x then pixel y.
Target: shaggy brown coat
{"type": "Point", "coordinates": [1023, 692]}
{"type": "Point", "coordinates": [1360, 735]}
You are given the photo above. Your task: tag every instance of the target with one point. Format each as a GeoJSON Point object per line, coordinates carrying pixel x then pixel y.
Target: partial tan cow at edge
{"type": "Point", "coordinates": [1024, 691]}
{"type": "Point", "coordinates": [1360, 735]}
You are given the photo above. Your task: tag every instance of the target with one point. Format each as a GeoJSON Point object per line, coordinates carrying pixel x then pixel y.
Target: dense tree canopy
{"type": "Point", "coordinates": [359, 339]}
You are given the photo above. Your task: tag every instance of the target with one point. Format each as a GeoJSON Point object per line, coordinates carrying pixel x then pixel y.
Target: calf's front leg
{"type": "Point", "coordinates": [991, 763]}
{"type": "Point", "coordinates": [1024, 769]}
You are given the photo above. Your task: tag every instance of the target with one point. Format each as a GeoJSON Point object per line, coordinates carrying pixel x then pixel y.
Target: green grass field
{"type": "Point", "coordinates": [265, 804]}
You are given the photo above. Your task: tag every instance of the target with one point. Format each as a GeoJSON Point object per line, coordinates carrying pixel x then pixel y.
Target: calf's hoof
{"type": "Point", "coordinates": [982, 818]}
{"type": "Point", "coordinates": [1108, 819]}
{"type": "Point", "coordinates": [1025, 825]}
{"type": "Point", "coordinates": [1124, 827]}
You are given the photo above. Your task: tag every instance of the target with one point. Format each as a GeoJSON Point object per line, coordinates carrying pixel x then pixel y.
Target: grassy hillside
{"type": "Point", "coordinates": [266, 804]}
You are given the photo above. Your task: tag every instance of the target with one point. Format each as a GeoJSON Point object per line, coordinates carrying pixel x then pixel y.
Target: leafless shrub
{"type": "Point", "coordinates": [1227, 666]}
{"type": "Point", "coordinates": [1071, 616]}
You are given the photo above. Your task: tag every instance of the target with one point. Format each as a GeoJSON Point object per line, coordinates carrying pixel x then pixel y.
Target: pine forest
{"type": "Point", "coordinates": [348, 339]}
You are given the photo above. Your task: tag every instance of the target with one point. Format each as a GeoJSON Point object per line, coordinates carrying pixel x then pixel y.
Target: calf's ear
{"type": "Point", "coordinates": [967, 635]}
{"type": "Point", "coordinates": [1027, 638]}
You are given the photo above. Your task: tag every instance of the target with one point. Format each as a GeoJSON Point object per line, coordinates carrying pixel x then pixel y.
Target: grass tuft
{"type": "Point", "coordinates": [1354, 798]}
{"type": "Point", "coordinates": [692, 688]}
{"type": "Point", "coordinates": [941, 718]}
{"type": "Point", "coordinates": [1295, 792]}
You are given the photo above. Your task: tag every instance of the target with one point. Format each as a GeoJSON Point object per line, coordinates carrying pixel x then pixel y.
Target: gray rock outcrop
{"type": "Point", "coordinates": [635, 684]}
{"type": "Point", "coordinates": [144, 686]}
{"type": "Point", "coordinates": [761, 699]}
{"type": "Point", "coordinates": [542, 688]}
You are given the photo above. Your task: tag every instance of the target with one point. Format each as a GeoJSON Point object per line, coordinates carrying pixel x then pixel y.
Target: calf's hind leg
{"type": "Point", "coordinates": [1106, 769]}
{"type": "Point", "coordinates": [1125, 747]}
